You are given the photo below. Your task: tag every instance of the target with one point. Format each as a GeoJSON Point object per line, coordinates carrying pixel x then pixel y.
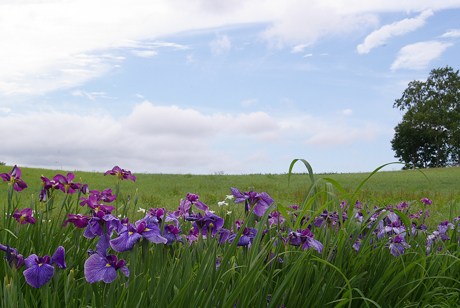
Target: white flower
{"type": "Point", "coordinates": [212, 212]}
{"type": "Point", "coordinates": [229, 212]}
{"type": "Point", "coordinates": [222, 203]}
{"type": "Point", "coordinates": [141, 210]}
{"type": "Point", "coordinates": [44, 220]}
{"type": "Point", "coordinates": [119, 215]}
{"type": "Point", "coordinates": [229, 197]}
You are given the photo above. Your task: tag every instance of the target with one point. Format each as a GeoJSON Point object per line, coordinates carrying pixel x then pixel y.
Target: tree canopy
{"type": "Point", "coordinates": [429, 133]}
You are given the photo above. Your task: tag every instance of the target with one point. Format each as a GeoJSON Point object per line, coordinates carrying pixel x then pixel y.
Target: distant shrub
{"type": "Point", "coordinates": [2, 163]}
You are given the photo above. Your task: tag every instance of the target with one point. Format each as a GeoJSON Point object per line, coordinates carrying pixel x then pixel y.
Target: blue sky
{"type": "Point", "coordinates": [213, 86]}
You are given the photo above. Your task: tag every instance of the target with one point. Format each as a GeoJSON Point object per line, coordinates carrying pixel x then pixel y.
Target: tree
{"type": "Point", "coordinates": [429, 134]}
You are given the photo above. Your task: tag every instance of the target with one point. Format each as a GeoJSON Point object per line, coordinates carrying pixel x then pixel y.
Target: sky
{"type": "Point", "coordinates": [213, 86]}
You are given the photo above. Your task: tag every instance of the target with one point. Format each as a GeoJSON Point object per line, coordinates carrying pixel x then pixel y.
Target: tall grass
{"type": "Point", "coordinates": [271, 273]}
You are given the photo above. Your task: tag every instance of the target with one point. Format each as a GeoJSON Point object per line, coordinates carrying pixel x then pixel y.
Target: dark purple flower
{"type": "Point", "coordinates": [24, 216]}
{"type": "Point", "coordinates": [80, 221]}
{"type": "Point", "coordinates": [260, 201]}
{"type": "Point", "coordinates": [209, 223]}
{"type": "Point", "coordinates": [101, 266]}
{"type": "Point", "coordinates": [121, 173]}
{"type": "Point", "coordinates": [14, 177]}
{"type": "Point", "coordinates": [246, 238]}
{"type": "Point", "coordinates": [426, 201]}
{"type": "Point", "coordinates": [101, 222]}
{"type": "Point", "coordinates": [39, 270]}
{"type": "Point", "coordinates": [12, 256]}
{"type": "Point", "coordinates": [171, 233]}
{"type": "Point", "coordinates": [43, 195]}
{"type": "Point", "coordinates": [66, 184]}
{"type": "Point", "coordinates": [306, 238]}
{"type": "Point", "coordinates": [397, 245]}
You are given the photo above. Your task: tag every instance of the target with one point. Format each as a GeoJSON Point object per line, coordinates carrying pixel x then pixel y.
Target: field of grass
{"type": "Point", "coordinates": [295, 257]}
{"type": "Point", "coordinates": [166, 190]}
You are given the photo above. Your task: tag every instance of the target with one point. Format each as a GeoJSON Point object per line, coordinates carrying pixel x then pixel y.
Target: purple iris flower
{"type": "Point", "coordinates": [426, 201]}
{"type": "Point", "coordinates": [39, 270]}
{"type": "Point", "coordinates": [306, 238]}
{"type": "Point", "coordinates": [101, 222]}
{"type": "Point", "coordinates": [50, 185]}
{"type": "Point", "coordinates": [397, 245]}
{"type": "Point", "coordinates": [14, 177]}
{"type": "Point", "coordinates": [98, 197]}
{"type": "Point", "coordinates": [260, 201]}
{"type": "Point", "coordinates": [209, 223]}
{"type": "Point", "coordinates": [329, 218]}
{"type": "Point", "coordinates": [444, 226]}
{"type": "Point", "coordinates": [223, 235]}
{"type": "Point", "coordinates": [191, 199]}
{"type": "Point", "coordinates": [80, 221]}
{"type": "Point", "coordinates": [66, 184]}
{"type": "Point", "coordinates": [121, 173]}
{"type": "Point", "coordinates": [246, 238]}
{"type": "Point", "coordinates": [275, 218]}
{"type": "Point", "coordinates": [192, 236]}
{"type": "Point", "coordinates": [156, 216]}
{"type": "Point", "coordinates": [101, 266]}
{"type": "Point", "coordinates": [128, 238]}
{"type": "Point", "coordinates": [12, 256]}
{"type": "Point", "coordinates": [24, 216]}
{"type": "Point", "coordinates": [171, 233]}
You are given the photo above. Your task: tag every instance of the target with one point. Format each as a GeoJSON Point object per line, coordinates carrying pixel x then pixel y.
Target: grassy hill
{"type": "Point", "coordinates": [165, 190]}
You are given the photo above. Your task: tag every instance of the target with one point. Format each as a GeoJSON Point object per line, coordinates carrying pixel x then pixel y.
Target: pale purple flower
{"type": "Point", "coordinates": [260, 201]}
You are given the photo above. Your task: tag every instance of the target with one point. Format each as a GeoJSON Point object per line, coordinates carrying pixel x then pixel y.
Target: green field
{"type": "Point", "coordinates": [166, 190]}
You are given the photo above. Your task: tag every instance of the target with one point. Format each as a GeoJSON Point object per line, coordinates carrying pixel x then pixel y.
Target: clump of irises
{"type": "Point", "coordinates": [162, 227]}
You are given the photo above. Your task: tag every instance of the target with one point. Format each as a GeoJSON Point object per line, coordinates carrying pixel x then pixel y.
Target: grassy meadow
{"type": "Point", "coordinates": [441, 185]}
{"type": "Point", "coordinates": [323, 253]}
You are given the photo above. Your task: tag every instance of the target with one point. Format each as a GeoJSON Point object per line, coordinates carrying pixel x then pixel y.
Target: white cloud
{"type": "Point", "coordinates": [308, 55]}
{"type": "Point", "coordinates": [452, 33]}
{"type": "Point", "coordinates": [347, 112]}
{"type": "Point", "coordinates": [419, 55]}
{"type": "Point", "coordinates": [379, 37]}
{"type": "Point", "coordinates": [299, 48]}
{"type": "Point", "coordinates": [161, 139]}
{"type": "Point", "coordinates": [139, 95]}
{"type": "Point", "coordinates": [53, 45]}
{"type": "Point", "coordinates": [144, 53]}
{"type": "Point", "coordinates": [249, 102]}
{"type": "Point", "coordinates": [90, 95]}
{"type": "Point", "coordinates": [342, 136]}
{"type": "Point", "coordinates": [220, 45]}
{"type": "Point", "coordinates": [5, 110]}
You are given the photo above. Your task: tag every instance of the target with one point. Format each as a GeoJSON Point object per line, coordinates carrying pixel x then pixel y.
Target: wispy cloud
{"type": "Point", "coordinates": [308, 55]}
{"type": "Point", "coordinates": [144, 53]}
{"type": "Point", "coordinates": [90, 95]}
{"type": "Point", "coordinates": [299, 48]}
{"type": "Point", "coordinates": [452, 33]}
{"type": "Point", "coordinates": [419, 55]}
{"type": "Point", "coordinates": [381, 36]}
{"type": "Point", "coordinates": [220, 45]}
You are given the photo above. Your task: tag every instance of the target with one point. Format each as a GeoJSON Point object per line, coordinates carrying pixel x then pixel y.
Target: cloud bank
{"type": "Point", "coordinates": [164, 139]}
